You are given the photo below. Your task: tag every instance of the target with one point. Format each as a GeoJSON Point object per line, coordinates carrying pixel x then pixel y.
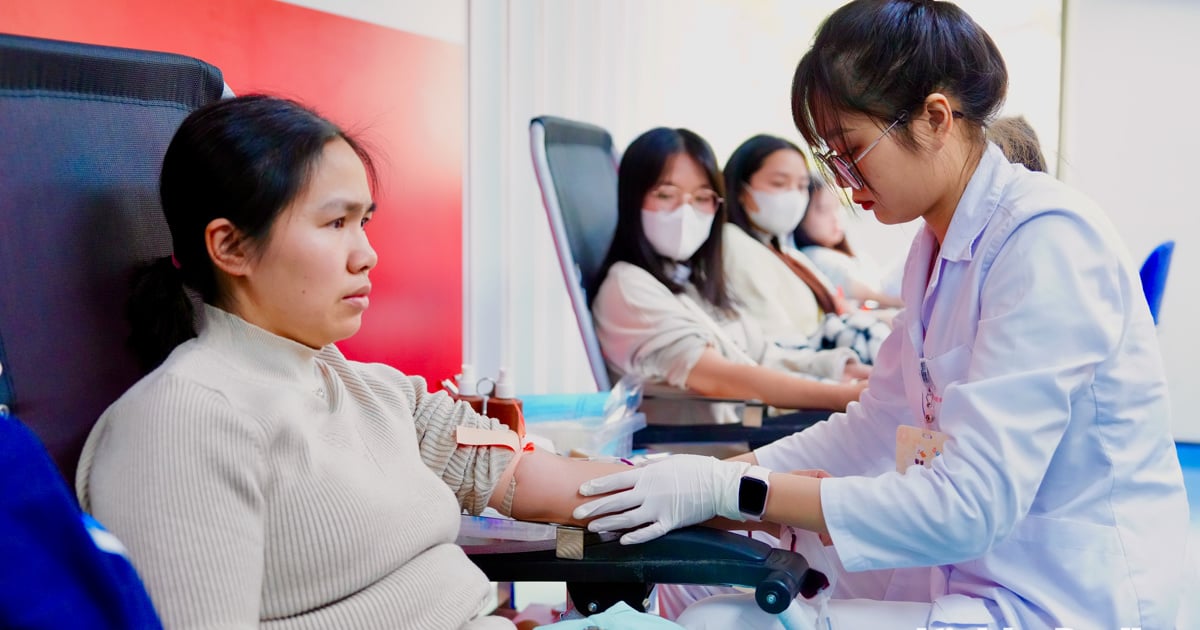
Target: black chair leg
{"type": "Point", "coordinates": [593, 597]}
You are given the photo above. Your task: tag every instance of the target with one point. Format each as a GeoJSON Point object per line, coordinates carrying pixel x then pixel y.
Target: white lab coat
{"type": "Point", "coordinates": [1059, 500]}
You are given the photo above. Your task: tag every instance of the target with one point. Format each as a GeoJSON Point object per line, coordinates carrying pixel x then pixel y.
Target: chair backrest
{"type": "Point", "coordinates": [82, 140]}
{"type": "Point", "coordinates": [576, 167]}
{"type": "Point", "coordinates": [1154, 276]}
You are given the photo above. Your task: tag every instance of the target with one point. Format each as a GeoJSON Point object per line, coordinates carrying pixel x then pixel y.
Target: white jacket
{"type": "Point", "coordinates": [1059, 500]}
{"type": "Point", "coordinates": [767, 290]}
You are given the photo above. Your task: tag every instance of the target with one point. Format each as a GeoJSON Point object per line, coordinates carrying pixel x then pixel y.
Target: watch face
{"type": "Point", "coordinates": [752, 496]}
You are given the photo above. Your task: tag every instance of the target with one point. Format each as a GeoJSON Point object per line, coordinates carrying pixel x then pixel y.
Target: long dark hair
{"type": "Point", "coordinates": [745, 161]}
{"type": "Point", "coordinates": [243, 159]}
{"type": "Point", "coordinates": [817, 185]}
{"type": "Point", "coordinates": [882, 58]}
{"type": "Point", "coordinates": [641, 168]}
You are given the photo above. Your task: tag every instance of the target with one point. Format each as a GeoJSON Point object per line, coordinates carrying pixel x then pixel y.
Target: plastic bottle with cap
{"type": "Point", "coordinates": [467, 391]}
{"type": "Point", "coordinates": [505, 406]}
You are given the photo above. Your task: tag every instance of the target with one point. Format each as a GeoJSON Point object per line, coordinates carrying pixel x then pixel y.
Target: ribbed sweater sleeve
{"type": "Point", "coordinates": [187, 500]}
{"type": "Point", "coordinates": [471, 472]}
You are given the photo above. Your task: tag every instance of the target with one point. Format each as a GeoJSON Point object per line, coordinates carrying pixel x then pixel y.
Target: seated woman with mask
{"type": "Point", "coordinates": [663, 311]}
{"type": "Point", "coordinates": [769, 193]}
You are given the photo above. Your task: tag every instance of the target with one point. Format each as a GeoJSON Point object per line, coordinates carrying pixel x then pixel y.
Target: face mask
{"type": "Point", "coordinates": [676, 234]}
{"type": "Point", "coordinates": [778, 212]}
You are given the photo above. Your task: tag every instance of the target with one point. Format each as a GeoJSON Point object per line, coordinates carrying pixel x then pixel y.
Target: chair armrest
{"type": "Point", "coordinates": [664, 391]}
{"type": "Point", "coordinates": [693, 555]}
{"type": "Point", "coordinates": [751, 411]}
{"type": "Point", "coordinates": [773, 428]}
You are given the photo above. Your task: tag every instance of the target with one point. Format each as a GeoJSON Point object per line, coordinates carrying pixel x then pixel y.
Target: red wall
{"type": "Point", "coordinates": [404, 94]}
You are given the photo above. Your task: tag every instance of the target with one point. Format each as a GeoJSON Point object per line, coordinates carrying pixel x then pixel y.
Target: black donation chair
{"type": "Point", "coordinates": [576, 168]}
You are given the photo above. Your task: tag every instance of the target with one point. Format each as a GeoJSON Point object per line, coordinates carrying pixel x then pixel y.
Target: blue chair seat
{"type": "Point", "coordinates": [1154, 276]}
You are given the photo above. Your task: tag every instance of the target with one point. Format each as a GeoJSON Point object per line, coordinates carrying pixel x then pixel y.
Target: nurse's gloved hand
{"type": "Point", "coordinates": [678, 491]}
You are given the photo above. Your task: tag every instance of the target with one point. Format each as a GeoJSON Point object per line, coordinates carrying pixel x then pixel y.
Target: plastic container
{"type": "Point", "coordinates": [505, 406]}
{"type": "Point", "coordinates": [588, 437]}
{"type": "Point", "coordinates": [466, 388]}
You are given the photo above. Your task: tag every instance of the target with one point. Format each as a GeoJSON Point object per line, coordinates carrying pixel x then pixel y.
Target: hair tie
{"type": "Point", "coordinates": [175, 261]}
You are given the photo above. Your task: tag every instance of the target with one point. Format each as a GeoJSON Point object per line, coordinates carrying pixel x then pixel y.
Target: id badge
{"type": "Point", "coordinates": [917, 446]}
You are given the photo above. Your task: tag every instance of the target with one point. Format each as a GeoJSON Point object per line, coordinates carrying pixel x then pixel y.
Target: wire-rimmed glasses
{"type": "Point", "coordinates": [669, 197]}
{"type": "Point", "coordinates": [845, 168]}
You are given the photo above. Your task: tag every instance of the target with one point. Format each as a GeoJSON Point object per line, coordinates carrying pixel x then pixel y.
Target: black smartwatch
{"type": "Point", "coordinates": [752, 492]}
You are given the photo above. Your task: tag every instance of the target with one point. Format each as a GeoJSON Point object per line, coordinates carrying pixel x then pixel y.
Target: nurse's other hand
{"type": "Point", "coordinates": [678, 491]}
{"type": "Point", "coordinates": [856, 371]}
{"type": "Point", "coordinates": [848, 392]}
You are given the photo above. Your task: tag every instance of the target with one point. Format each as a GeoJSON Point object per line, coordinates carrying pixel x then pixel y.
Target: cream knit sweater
{"type": "Point", "coordinates": [260, 483]}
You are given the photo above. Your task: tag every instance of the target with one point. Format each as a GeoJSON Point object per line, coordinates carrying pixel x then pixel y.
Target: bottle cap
{"type": "Point", "coordinates": [504, 385]}
{"type": "Point", "coordinates": [466, 380]}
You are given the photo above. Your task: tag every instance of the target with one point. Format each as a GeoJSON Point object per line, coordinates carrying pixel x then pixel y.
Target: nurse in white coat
{"type": "Point", "coordinates": [1011, 463]}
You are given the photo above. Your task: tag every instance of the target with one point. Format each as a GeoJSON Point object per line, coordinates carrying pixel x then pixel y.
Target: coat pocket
{"type": "Point", "coordinates": [960, 611]}
{"type": "Point", "coordinates": [949, 367]}
{"type": "Point", "coordinates": [938, 373]}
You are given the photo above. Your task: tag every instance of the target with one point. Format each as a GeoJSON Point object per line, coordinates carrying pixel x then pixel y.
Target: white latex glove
{"type": "Point", "coordinates": [678, 491]}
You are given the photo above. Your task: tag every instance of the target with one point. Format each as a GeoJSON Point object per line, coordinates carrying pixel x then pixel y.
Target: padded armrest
{"type": "Point", "coordinates": [693, 555]}
{"type": "Point", "coordinates": [773, 428]}
{"type": "Point", "coordinates": [751, 411]}
{"type": "Point", "coordinates": [755, 426]}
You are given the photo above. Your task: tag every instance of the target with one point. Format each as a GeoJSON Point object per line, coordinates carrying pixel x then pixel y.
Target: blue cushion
{"type": "Point", "coordinates": [1154, 276]}
{"type": "Point", "coordinates": [53, 574]}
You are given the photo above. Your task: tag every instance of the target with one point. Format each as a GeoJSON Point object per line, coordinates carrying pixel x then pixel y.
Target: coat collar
{"type": "Point", "coordinates": [976, 206]}
{"type": "Point", "coordinates": [974, 211]}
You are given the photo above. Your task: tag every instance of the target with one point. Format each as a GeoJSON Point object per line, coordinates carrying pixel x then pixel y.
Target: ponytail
{"type": "Point", "coordinates": [159, 311]}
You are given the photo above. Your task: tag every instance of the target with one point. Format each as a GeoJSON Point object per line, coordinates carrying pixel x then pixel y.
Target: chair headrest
{"type": "Point", "coordinates": [84, 134]}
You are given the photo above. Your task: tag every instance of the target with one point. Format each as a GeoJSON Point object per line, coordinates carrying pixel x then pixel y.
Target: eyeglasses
{"type": "Point", "coordinates": [845, 169]}
{"type": "Point", "coordinates": [668, 197]}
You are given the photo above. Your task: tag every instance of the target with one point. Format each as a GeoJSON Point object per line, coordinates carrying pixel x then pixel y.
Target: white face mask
{"type": "Point", "coordinates": [778, 212]}
{"type": "Point", "coordinates": [678, 233]}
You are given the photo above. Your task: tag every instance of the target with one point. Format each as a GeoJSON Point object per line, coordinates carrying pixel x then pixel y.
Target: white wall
{"type": "Point", "coordinates": [1131, 140]}
{"type": "Point", "coordinates": [720, 67]}
{"type": "Point", "coordinates": [444, 19]}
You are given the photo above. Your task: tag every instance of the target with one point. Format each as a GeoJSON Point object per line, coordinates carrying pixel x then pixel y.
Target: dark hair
{"type": "Point", "coordinates": [882, 58]}
{"type": "Point", "coordinates": [640, 171]}
{"type": "Point", "coordinates": [745, 161]}
{"type": "Point", "coordinates": [1019, 142]}
{"type": "Point", "coordinates": [817, 184]}
{"type": "Point", "coordinates": [243, 159]}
